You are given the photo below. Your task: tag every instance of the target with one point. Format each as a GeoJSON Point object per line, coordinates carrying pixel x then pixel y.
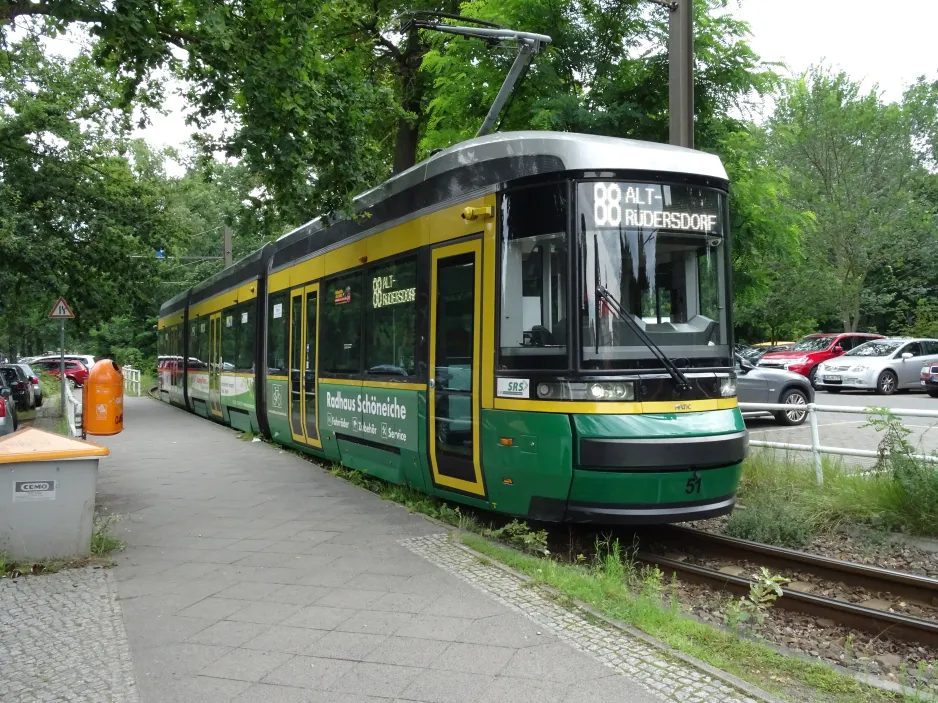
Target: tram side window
{"type": "Point", "coordinates": [533, 333]}
{"type": "Point", "coordinates": [229, 339]}
{"type": "Point", "coordinates": [277, 314]}
{"type": "Point", "coordinates": [341, 325]}
{"type": "Point", "coordinates": [244, 314]}
{"type": "Point", "coordinates": [390, 323]}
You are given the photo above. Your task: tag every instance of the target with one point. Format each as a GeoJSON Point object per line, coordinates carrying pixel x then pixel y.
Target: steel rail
{"type": "Point", "coordinates": [920, 589]}
{"type": "Point", "coordinates": [877, 622]}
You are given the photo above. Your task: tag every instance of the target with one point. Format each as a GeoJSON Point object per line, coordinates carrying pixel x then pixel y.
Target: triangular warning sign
{"type": "Point", "coordinates": [61, 310]}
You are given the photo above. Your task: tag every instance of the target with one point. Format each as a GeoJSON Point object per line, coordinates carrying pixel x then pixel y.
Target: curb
{"type": "Point", "coordinates": [725, 677]}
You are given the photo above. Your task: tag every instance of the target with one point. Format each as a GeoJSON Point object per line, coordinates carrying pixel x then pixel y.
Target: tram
{"type": "Point", "coordinates": [532, 323]}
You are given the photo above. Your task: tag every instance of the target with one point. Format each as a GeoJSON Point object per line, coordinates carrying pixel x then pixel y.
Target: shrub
{"type": "Point", "coordinates": [772, 522]}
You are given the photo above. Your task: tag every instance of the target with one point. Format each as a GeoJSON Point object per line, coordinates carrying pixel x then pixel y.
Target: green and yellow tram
{"type": "Point", "coordinates": [533, 323]}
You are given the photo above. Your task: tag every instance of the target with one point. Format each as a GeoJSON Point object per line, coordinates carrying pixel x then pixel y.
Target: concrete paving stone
{"type": "Point", "coordinates": [473, 658]}
{"type": "Point", "coordinates": [435, 627]}
{"type": "Point", "coordinates": [377, 582]}
{"type": "Point", "coordinates": [375, 622]}
{"type": "Point", "coordinates": [609, 689]}
{"type": "Point", "coordinates": [159, 604]}
{"type": "Point", "coordinates": [507, 630]}
{"type": "Point", "coordinates": [271, 693]}
{"type": "Point", "coordinates": [286, 530]}
{"type": "Point", "coordinates": [218, 556]}
{"type": "Point", "coordinates": [189, 571]}
{"type": "Point", "coordinates": [145, 586]}
{"type": "Point", "coordinates": [310, 672]}
{"type": "Point", "coordinates": [192, 689]}
{"type": "Point", "coordinates": [319, 617]}
{"type": "Point", "coordinates": [466, 604]}
{"type": "Point", "coordinates": [313, 536]}
{"type": "Point", "coordinates": [245, 664]}
{"type": "Point", "coordinates": [400, 603]}
{"type": "Point", "coordinates": [265, 612]}
{"type": "Point", "coordinates": [213, 608]}
{"type": "Point", "coordinates": [168, 630]}
{"type": "Point", "coordinates": [355, 646]}
{"type": "Point", "coordinates": [407, 651]}
{"type": "Point", "coordinates": [176, 660]}
{"type": "Point", "coordinates": [250, 590]}
{"type": "Point", "coordinates": [199, 543]}
{"type": "Point", "coordinates": [228, 633]}
{"type": "Point", "coordinates": [327, 577]}
{"type": "Point", "coordinates": [298, 594]}
{"type": "Point", "coordinates": [252, 545]}
{"type": "Point", "coordinates": [133, 569]}
{"type": "Point", "coordinates": [267, 574]}
{"type": "Point", "coordinates": [554, 662]}
{"type": "Point", "coordinates": [305, 562]}
{"type": "Point", "coordinates": [383, 680]}
{"type": "Point", "coordinates": [430, 585]}
{"type": "Point", "coordinates": [294, 640]}
{"type": "Point", "coordinates": [436, 686]}
{"type": "Point", "coordinates": [505, 689]}
{"type": "Point", "coordinates": [350, 598]}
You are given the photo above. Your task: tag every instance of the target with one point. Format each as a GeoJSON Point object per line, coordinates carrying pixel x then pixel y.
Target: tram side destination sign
{"type": "Point", "coordinates": [380, 415]}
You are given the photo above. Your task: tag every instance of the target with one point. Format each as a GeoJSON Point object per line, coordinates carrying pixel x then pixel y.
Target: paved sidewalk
{"type": "Point", "coordinates": [253, 575]}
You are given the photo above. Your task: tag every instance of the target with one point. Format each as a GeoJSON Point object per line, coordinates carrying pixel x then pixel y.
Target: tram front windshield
{"type": "Point", "coordinates": [650, 251]}
{"type": "Point", "coordinates": [654, 252]}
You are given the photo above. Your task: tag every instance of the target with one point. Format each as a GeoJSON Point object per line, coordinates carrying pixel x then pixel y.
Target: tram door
{"type": "Point", "coordinates": [304, 341]}
{"type": "Point", "coordinates": [455, 325]}
{"type": "Point", "coordinates": [214, 364]}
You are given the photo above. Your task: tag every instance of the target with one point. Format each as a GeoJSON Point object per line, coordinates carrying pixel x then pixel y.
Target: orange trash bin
{"type": "Point", "coordinates": [103, 399]}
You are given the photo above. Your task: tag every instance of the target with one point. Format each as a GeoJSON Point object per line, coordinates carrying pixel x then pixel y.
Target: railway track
{"type": "Point", "coordinates": [918, 589]}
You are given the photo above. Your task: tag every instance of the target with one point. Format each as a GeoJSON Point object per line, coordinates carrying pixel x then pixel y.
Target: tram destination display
{"type": "Point", "coordinates": [615, 205]}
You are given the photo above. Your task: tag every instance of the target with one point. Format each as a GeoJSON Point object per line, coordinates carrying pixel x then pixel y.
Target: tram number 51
{"type": "Point", "coordinates": [693, 484]}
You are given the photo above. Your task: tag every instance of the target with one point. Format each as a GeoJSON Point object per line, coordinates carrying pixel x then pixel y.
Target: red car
{"type": "Point", "coordinates": [75, 371]}
{"type": "Point", "coordinates": [810, 351]}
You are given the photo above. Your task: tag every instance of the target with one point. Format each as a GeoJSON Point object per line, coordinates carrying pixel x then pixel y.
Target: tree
{"type": "Point", "coordinates": [852, 164]}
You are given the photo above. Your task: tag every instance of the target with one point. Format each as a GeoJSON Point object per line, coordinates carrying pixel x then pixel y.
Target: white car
{"type": "Point", "coordinates": [881, 365]}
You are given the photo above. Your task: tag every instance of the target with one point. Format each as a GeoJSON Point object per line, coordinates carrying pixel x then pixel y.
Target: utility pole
{"type": "Point", "coordinates": [227, 231]}
{"type": "Point", "coordinates": [681, 72]}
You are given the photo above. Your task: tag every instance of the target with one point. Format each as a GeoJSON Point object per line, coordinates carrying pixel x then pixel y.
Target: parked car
{"type": "Point", "coordinates": [755, 384]}
{"type": "Point", "coordinates": [810, 351]}
{"type": "Point", "coordinates": [883, 365]}
{"type": "Point", "coordinates": [85, 359]}
{"type": "Point", "coordinates": [18, 380]}
{"type": "Point", "coordinates": [34, 381]}
{"type": "Point", "coordinates": [75, 371]}
{"type": "Point", "coordinates": [929, 379]}
{"type": "Point", "coordinates": [8, 420]}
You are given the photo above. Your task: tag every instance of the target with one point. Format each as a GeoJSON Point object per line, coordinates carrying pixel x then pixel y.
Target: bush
{"type": "Point", "coordinates": [772, 522]}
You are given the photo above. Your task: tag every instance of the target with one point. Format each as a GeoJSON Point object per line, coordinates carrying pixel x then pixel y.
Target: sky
{"type": "Point", "coordinates": [889, 44]}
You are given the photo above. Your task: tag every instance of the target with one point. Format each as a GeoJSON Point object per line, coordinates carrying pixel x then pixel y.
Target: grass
{"type": "Point", "coordinates": [604, 586]}
{"type": "Point", "coordinates": [103, 543]}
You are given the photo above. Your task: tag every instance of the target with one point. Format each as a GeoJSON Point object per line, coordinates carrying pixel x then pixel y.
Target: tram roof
{"type": "Point", "coordinates": [486, 161]}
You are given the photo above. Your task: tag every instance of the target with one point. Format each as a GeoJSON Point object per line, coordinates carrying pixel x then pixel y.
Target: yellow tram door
{"type": "Point", "coordinates": [304, 347]}
{"type": "Point", "coordinates": [214, 365]}
{"type": "Point", "coordinates": [455, 363]}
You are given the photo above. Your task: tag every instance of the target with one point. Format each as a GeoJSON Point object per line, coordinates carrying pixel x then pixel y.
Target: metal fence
{"type": "Point", "coordinates": [131, 379]}
{"type": "Point", "coordinates": [73, 413]}
{"type": "Point", "coordinates": [816, 448]}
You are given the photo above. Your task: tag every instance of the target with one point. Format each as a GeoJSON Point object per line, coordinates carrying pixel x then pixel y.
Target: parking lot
{"type": "Point", "coordinates": [846, 430]}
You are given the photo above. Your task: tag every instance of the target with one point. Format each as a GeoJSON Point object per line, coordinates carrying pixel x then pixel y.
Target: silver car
{"type": "Point", "coordinates": [882, 365]}
{"type": "Point", "coordinates": [756, 384]}
{"type": "Point", "coordinates": [8, 421]}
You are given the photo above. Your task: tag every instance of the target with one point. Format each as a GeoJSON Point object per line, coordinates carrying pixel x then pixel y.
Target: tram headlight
{"type": "Point", "coordinates": [728, 387]}
{"type": "Point", "coordinates": [544, 390]}
{"type": "Point", "coordinates": [619, 391]}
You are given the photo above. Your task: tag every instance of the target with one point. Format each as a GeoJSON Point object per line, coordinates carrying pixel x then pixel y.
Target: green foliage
{"type": "Point", "coordinates": [782, 524]}
{"type": "Point", "coordinates": [517, 534]}
{"type": "Point", "coordinates": [764, 590]}
{"type": "Point", "coordinates": [913, 505]}
{"type": "Point", "coordinates": [102, 541]}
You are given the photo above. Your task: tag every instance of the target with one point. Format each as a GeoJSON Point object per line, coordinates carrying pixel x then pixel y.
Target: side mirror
{"type": "Point", "coordinates": [838, 349]}
{"type": "Point", "coordinates": [5, 392]}
{"type": "Point", "coordinates": [906, 355]}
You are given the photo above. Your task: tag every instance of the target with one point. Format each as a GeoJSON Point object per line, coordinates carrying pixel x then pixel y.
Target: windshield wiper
{"type": "Point", "coordinates": [680, 380]}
